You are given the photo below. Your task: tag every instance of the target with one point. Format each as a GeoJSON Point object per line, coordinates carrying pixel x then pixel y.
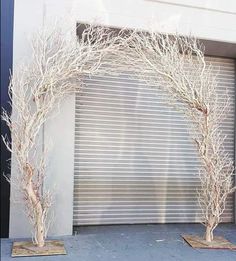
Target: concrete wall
{"type": "Point", "coordinates": [212, 20]}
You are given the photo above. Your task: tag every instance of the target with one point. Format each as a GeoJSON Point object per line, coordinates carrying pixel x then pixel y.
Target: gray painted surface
{"type": "Point", "coordinates": [134, 159]}
{"type": "Point", "coordinates": [220, 49]}
{"type": "Point", "coordinates": [60, 175]}
{"type": "Point", "coordinates": [135, 243]}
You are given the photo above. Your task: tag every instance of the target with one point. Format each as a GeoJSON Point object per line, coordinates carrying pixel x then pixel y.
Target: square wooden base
{"type": "Point", "coordinates": [217, 243]}
{"type": "Point", "coordinates": [52, 247]}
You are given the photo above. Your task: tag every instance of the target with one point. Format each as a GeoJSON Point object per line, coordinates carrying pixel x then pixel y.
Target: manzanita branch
{"type": "Point", "coordinates": [178, 63]}
{"type": "Point", "coordinates": [56, 69]}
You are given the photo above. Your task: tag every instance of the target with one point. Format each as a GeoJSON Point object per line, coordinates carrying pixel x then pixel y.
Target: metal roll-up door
{"type": "Point", "coordinates": [134, 159]}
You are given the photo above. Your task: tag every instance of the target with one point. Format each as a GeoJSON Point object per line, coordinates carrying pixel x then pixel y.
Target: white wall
{"type": "Point", "coordinates": [60, 174]}
{"type": "Point", "coordinates": [213, 23]}
{"type": "Point", "coordinates": [212, 19]}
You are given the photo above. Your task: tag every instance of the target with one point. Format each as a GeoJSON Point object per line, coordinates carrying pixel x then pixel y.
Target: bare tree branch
{"type": "Point", "coordinates": [56, 69]}
{"type": "Point", "coordinates": [179, 64]}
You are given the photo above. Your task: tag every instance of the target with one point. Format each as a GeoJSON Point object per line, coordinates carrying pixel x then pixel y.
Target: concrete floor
{"type": "Point", "coordinates": [134, 243]}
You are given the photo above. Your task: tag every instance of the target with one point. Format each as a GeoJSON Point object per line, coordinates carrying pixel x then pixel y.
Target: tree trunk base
{"type": "Point", "coordinates": [200, 242]}
{"type": "Point", "coordinates": [27, 248]}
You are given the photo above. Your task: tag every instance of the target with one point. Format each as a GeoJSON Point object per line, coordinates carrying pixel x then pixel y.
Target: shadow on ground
{"type": "Point", "coordinates": [134, 243]}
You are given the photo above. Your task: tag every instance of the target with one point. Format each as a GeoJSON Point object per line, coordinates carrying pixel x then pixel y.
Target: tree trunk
{"type": "Point", "coordinates": [36, 205]}
{"type": "Point", "coordinates": [207, 162]}
{"type": "Point", "coordinates": [39, 226]}
{"type": "Point", "coordinates": [209, 234]}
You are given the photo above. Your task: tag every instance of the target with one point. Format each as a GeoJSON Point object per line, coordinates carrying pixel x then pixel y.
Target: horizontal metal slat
{"type": "Point", "coordinates": [134, 159]}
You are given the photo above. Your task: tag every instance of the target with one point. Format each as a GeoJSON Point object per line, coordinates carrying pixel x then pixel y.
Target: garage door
{"type": "Point", "coordinates": [134, 160]}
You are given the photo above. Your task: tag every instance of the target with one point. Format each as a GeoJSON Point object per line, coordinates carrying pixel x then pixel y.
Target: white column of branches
{"type": "Point", "coordinates": [179, 63]}
{"type": "Point", "coordinates": [57, 66]}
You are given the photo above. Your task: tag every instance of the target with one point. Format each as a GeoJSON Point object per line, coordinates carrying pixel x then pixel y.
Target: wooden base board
{"type": "Point", "coordinates": [217, 243]}
{"type": "Point", "coordinates": [52, 247]}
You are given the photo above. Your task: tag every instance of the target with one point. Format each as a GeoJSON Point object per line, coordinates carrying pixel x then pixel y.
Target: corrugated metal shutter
{"type": "Point", "coordinates": [134, 160]}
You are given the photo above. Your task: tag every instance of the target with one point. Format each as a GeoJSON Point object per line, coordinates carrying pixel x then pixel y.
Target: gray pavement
{"type": "Point", "coordinates": [134, 243]}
